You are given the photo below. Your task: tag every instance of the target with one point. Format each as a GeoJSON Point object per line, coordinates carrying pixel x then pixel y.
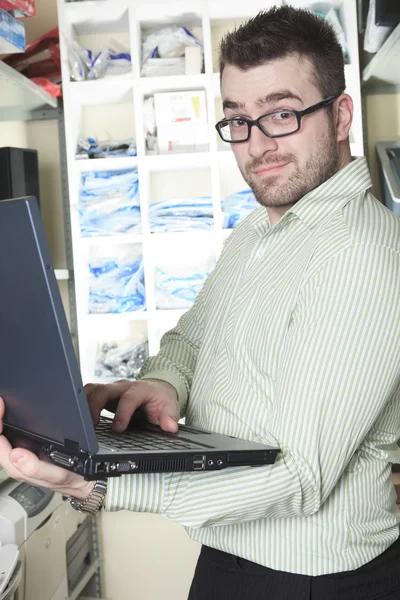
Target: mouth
{"type": "Point", "coordinates": [269, 170]}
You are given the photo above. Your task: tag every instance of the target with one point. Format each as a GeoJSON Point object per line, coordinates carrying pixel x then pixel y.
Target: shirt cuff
{"type": "Point", "coordinates": [143, 492]}
{"type": "Point", "coordinates": [177, 381]}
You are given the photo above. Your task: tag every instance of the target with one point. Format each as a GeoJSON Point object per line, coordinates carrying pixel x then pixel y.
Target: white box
{"type": "Point", "coordinates": [181, 120]}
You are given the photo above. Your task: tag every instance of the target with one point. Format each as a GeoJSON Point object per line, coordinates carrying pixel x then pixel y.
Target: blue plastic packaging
{"type": "Point", "coordinates": [109, 203]}
{"type": "Point", "coordinates": [237, 207]}
{"type": "Point", "coordinates": [116, 286]}
{"type": "Point", "coordinates": [181, 214]}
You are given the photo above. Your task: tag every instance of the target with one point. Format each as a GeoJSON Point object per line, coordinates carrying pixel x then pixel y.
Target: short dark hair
{"type": "Point", "coordinates": [283, 31]}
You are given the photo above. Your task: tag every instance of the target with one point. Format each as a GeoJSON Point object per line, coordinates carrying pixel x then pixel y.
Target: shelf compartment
{"type": "Point", "coordinates": [115, 280]}
{"type": "Point", "coordinates": [95, 16]}
{"type": "Point", "coordinates": [166, 187]}
{"type": "Point", "coordinates": [101, 91]}
{"type": "Point", "coordinates": [181, 263]}
{"type": "Point", "coordinates": [125, 335]}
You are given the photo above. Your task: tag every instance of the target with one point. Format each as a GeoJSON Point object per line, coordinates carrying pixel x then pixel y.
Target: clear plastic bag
{"type": "Point", "coordinates": [121, 360]}
{"type": "Point", "coordinates": [237, 207]}
{"type": "Point", "coordinates": [177, 286]}
{"type": "Point", "coordinates": [109, 203]}
{"type": "Point", "coordinates": [168, 42]}
{"type": "Point", "coordinates": [94, 149]}
{"type": "Point", "coordinates": [181, 214]}
{"type": "Point", "coordinates": [116, 285]}
{"type": "Point", "coordinates": [79, 60]}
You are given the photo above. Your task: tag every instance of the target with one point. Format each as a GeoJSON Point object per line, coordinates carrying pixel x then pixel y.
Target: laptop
{"type": "Point", "coordinates": [46, 407]}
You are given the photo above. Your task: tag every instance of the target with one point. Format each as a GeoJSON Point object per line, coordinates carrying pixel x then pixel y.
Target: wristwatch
{"type": "Point", "coordinates": [94, 502]}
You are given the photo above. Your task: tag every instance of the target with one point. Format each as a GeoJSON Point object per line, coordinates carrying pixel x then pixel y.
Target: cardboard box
{"type": "Point", "coordinates": [12, 34]}
{"type": "Point", "coordinates": [19, 8]}
{"type": "Point", "coordinates": [181, 120]}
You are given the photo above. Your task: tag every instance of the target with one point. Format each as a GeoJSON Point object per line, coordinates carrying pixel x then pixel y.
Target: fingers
{"type": "Point", "coordinates": [158, 400]}
{"type": "Point", "coordinates": [136, 395]}
{"type": "Point", "coordinates": [99, 396]}
{"type": "Point", "coordinates": [23, 465]}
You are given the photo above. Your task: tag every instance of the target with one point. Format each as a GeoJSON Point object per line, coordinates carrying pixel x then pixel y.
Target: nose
{"type": "Point", "coordinates": [259, 143]}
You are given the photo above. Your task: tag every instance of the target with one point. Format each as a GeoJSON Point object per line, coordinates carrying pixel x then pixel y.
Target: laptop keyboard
{"type": "Point", "coordinates": [136, 439]}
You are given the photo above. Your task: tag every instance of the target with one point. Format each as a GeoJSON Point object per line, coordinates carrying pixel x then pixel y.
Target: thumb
{"type": "Point", "coordinates": [168, 423]}
{"type": "Point", "coordinates": [169, 416]}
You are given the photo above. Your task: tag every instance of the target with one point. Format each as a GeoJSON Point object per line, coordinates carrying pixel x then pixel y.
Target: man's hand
{"type": "Point", "coordinates": [156, 401]}
{"type": "Point", "coordinates": [23, 465]}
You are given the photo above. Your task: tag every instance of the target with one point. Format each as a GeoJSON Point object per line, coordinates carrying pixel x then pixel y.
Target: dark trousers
{"type": "Point", "coordinates": [221, 576]}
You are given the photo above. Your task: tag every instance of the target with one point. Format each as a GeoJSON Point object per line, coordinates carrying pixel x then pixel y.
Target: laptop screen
{"type": "Point", "coordinates": [39, 376]}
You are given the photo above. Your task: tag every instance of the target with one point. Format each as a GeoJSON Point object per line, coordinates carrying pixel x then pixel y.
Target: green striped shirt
{"type": "Point", "coordinates": [294, 341]}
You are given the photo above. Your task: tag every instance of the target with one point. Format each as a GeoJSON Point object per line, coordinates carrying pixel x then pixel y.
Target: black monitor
{"type": "Point", "coordinates": [387, 13]}
{"type": "Point", "coordinates": [19, 173]}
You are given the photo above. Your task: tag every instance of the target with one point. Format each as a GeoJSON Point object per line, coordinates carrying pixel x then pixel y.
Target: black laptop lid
{"type": "Point", "coordinates": [39, 376]}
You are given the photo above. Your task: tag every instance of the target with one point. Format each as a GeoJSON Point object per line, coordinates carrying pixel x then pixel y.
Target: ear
{"type": "Point", "coordinates": [344, 116]}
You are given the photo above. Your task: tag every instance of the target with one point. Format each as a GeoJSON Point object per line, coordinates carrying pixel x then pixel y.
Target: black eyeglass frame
{"type": "Point", "coordinates": [298, 113]}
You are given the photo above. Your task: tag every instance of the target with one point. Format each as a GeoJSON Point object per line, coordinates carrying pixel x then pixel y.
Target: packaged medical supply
{"type": "Point", "coordinates": [109, 203]}
{"type": "Point", "coordinates": [79, 60]}
{"type": "Point", "coordinates": [150, 130]}
{"type": "Point", "coordinates": [118, 361]}
{"type": "Point", "coordinates": [167, 43]}
{"type": "Point", "coordinates": [181, 214]}
{"type": "Point", "coordinates": [181, 119]}
{"type": "Point", "coordinates": [237, 207]}
{"type": "Point", "coordinates": [177, 286]}
{"type": "Point", "coordinates": [109, 62]}
{"type": "Point", "coordinates": [116, 285]}
{"type": "Point", "coordinates": [91, 148]}
{"type": "Point", "coordinates": [12, 34]}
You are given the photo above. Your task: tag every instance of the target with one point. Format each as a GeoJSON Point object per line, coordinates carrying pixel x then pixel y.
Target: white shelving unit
{"type": "Point", "coordinates": [114, 107]}
{"type": "Point", "coordinates": [384, 66]}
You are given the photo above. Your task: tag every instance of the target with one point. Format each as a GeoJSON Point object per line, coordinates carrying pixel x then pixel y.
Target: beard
{"type": "Point", "coordinates": [320, 165]}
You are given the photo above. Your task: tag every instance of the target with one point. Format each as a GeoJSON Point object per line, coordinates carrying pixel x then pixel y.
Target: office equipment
{"type": "Point", "coordinates": [387, 13]}
{"type": "Point", "coordinates": [19, 173]}
{"type": "Point", "coordinates": [46, 407]}
{"type": "Point", "coordinates": [30, 522]}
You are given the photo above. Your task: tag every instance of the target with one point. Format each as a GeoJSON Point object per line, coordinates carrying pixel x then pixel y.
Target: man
{"type": "Point", "coordinates": [293, 340]}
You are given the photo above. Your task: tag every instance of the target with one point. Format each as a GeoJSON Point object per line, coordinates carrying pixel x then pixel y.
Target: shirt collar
{"type": "Point", "coordinates": [334, 193]}
{"type": "Point", "coordinates": [327, 198]}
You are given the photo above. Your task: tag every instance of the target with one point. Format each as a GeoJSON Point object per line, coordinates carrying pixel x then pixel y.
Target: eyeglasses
{"type": "Point", "coordinates": [276, 124]}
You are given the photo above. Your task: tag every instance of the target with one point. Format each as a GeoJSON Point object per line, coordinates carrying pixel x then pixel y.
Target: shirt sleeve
{"type": "Point", "coordinates": [339, 370]}
{"type": "Point", "coordinates": [176, 361]}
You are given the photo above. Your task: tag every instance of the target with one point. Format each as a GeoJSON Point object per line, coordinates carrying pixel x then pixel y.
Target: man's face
{"type": "Point", "coordinates": [281, 170]}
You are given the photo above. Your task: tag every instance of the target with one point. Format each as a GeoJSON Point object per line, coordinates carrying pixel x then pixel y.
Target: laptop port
{"type": "Point", "coordinates": [199, 462]}
{"type": "Point", "coordinates": [126, 467]}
